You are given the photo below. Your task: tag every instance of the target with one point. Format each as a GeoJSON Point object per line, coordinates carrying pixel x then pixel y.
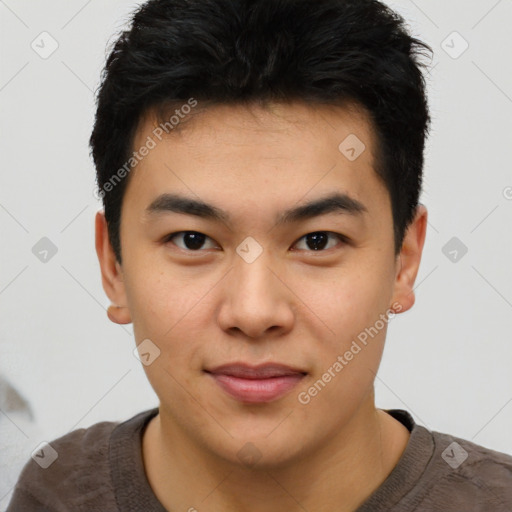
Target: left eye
{"type": "Point", "coordinates": [316, 241]}
{"type": "Point", "coordinates": [319, 239]}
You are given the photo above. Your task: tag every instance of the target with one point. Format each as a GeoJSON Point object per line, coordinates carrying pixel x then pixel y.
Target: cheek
{"type": "Point", "coordinates": [346, 302]}
{"type": "Point", "coordinates": [171, 309]}
{"type": "Point", "coordinates": [346, 363]}
{"type": "Point", "coordinates": [160, 300]}
{"type": "Point", "coordinates": [351, 306]}
{"type": "Point", "coordinates": [166, 310]}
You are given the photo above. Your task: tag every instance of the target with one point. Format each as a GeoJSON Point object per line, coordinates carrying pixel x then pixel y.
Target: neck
{"type": "Point", "coordinates": [340, 474]}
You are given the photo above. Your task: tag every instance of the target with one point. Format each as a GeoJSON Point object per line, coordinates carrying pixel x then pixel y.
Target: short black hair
{"type": "Point", "coordinates": [333, 52]}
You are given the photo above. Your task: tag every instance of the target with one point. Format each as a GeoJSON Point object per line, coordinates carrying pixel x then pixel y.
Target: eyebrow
{"type": "Point", "coordinates": [333, 203]}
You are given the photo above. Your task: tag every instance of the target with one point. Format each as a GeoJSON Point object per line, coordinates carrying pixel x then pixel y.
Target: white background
{"type": "Point", "coordinates": [447, 360]}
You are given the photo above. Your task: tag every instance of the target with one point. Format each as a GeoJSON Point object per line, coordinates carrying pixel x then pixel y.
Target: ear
{"type": "Point", "coordinates": [111, 273]}
{"type": "Point", "coordinates": [408, 261]}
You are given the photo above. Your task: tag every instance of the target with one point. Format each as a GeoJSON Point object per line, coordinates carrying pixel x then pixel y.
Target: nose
{"type": "Point", "coordinates": [256, 300]}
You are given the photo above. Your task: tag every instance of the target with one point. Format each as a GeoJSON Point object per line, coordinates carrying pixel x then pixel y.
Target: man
{"type": "Point", "coordinates": [260, 164]}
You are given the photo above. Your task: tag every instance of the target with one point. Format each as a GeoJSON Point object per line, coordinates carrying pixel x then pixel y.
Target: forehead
{"type": "Point", "coordinates": [237, 153]}
{"type": "Point", "coordinates": [252, 124]}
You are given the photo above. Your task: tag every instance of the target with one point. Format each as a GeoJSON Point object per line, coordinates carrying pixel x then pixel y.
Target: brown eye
{"type": "Point", "coordinates": [319, 240]}
{"type": "Point", "coordinates": [191, 240]}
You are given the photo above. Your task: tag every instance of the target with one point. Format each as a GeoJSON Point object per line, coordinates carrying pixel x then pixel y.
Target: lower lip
{"type": "Point", "coordinates": [257, 390]}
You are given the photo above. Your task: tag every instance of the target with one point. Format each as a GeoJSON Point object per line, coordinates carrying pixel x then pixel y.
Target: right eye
{"type": "Point", "coordinates": [191, 240]}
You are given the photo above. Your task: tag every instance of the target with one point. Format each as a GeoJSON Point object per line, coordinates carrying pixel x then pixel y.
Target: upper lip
{"type": "Point", "coordinates": [261, 371]}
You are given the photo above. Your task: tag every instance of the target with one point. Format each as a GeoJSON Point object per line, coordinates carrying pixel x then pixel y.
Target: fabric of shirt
{"type": "Point", "coordinates": [100, 468]}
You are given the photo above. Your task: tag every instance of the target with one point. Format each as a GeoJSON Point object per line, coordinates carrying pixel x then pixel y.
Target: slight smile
{"type": "Point", "coordinates": [256, 384]}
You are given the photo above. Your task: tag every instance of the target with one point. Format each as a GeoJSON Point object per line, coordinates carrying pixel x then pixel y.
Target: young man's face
{"type": "Point", "coordinates": [253, 290]}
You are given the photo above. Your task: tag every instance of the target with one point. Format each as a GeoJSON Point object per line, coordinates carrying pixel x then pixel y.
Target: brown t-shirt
{"type": "Point", "coordinates": [100, 469]}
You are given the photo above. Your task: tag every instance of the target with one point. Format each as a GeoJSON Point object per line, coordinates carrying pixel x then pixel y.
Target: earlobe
{"type": "Point", "coordinates": [111, 273]}
{"type": "Point", "coordinates": [119, 314]}
{"type": "Point", "coordinates": [409, 261]}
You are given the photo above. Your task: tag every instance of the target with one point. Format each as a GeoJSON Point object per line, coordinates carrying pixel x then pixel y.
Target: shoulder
{"type": "Point", "coordinates": [471, 460]}
{"type": "Point", "coordinates": [464, 475]}
{"type": "Point", "coordinates": [439, 471]}
{"type": "Point", "coordinates": [68, 472]}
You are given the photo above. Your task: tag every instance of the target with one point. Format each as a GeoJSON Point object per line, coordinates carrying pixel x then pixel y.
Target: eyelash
{"type": "Point", "coordinates": [342, 238]}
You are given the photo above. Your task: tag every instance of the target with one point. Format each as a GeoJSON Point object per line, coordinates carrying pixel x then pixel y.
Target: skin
{"type": "Point", "coordinates": [291, 305]}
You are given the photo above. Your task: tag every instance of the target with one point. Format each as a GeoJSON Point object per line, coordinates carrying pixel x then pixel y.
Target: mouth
{"type": "Point", "coordinates": [256, 384]}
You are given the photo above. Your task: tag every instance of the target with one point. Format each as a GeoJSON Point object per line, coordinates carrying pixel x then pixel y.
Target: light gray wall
{"type": "Point", "coordinates": [447, 360]}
